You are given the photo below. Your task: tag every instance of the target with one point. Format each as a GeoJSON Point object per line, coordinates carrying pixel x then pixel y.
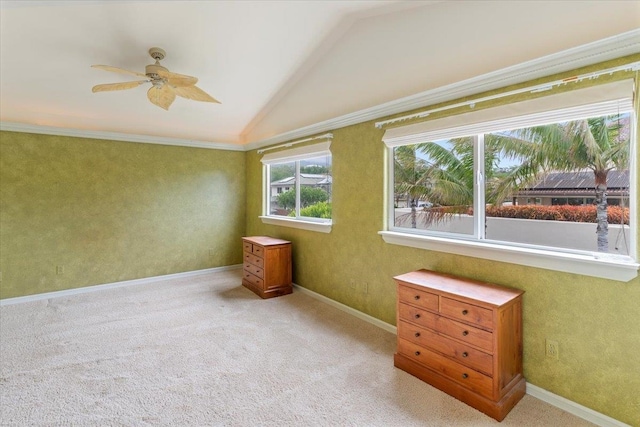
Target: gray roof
{"type": "Point", "coordinates": [305, 179]}
{"type": "Point", "coordinates": [584, 180]}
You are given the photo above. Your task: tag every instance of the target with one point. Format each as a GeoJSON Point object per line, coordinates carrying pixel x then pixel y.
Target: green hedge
{"type": "Point", "coordinates": [615, 214]}
{"type": "Point", "coordinates": [318, 210]}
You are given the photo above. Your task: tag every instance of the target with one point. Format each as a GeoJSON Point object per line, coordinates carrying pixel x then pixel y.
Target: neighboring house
{"type": "Point", "coordinates": [574, 188]}
{"type": "Point", "coordinates": [306, 179]}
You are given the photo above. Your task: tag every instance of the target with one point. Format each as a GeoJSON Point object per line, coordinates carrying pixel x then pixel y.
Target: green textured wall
{"type": "Point", "coordinates": [108, 211]}
{"type": "Point", "coordinates": [593, 320]}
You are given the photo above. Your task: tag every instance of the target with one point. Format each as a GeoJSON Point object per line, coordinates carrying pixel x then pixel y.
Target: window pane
{"type": "Point", "coordinates": [315, 187]}
{"type": "Point", "coordinates": [282, 192]}
{"type": "Point", "coordinates": [433, 186]}
{"type": "Point", "coordinates": [548, 185]}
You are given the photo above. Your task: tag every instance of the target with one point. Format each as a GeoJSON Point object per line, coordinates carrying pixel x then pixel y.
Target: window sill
{"type": "Point", "coordinates": [321, 227]}
{"type": "Point", "coordinates": [606, 267]}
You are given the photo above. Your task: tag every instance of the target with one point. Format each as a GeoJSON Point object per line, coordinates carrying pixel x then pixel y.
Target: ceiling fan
{"type": "Point", "coordinates": [165, 84]}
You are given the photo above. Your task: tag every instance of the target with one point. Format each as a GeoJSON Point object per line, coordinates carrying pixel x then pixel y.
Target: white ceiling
{"type": "Point", "coordinates": [276, 66]}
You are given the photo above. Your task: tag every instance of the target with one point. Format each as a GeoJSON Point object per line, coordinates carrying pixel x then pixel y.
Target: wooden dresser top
{"type": "Point", "coordinates": [467, 288]}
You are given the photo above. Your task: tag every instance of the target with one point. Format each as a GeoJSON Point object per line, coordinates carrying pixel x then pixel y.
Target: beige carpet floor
{"type": "Point", "coordinates": [205, 351]}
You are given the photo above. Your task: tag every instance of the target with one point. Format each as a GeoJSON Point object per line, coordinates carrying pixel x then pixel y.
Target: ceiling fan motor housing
{"type": "Point", "coordinates": [154, 71]}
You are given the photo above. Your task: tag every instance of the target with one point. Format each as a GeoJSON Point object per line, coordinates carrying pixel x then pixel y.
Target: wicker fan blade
{"type": "Point", "coordinates": [162, 96]}
{"type": "Point", "coordinates": [195, 93]}
{"type": "Point", "coordinates": [117, 86]}
{"type": "Point", "coordinates": [119, 70]}
{"type": "Point", "coordinates": [177, 80]}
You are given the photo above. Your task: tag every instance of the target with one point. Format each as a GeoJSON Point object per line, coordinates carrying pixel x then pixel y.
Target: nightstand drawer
{"type": "Point", "coordinates": [252, 259]}
{"type": "Point", "coordinates": [258, 251]}
{"type": "Point", "coordinates": [253, 249]}
{"type": "Point", "coordinates": [254, 280]}
{"type": "Point", "coordinates": [256, 271]}
{"type": "Point", "coordinates": [470, 313]}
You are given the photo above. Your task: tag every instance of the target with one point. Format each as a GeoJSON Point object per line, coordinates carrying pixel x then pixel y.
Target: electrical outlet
{"type": "Point", "coordinates": [60, 269]}
{"type": "Point", "coordinates": [365, 288]}
{"type": "Point", "coordinates": [352, 284]}
{"type": "Point", "coordinates": [552, 349]}
{"type": "Point", "coordinates": [212, 252]}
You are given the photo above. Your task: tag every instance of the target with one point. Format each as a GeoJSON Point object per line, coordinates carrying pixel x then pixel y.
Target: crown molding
{"type": "Point", "coordinates": [592, 53]}
{"type": "Point", "coordinates": [115, 136]}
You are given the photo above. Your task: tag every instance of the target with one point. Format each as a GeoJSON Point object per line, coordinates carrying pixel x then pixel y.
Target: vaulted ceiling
{"type": "Point", "coordinates": [276, 66]}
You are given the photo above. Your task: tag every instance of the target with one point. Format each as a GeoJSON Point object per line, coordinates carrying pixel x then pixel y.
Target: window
{"type": "Point", "coordinates": [298, 187]}
{"type": "Point", "coordinates": [516, 179]}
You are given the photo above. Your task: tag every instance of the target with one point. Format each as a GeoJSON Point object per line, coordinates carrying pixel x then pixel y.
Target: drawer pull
{"type": "Point", "coordinates": [465, 333]}
{"type": "Point", "coordinates": [465, 354]}
{"type": "Point", "coordinates": [417, 316]}
{"type": "Point", "coordinates": [465, 312]}
{"type": "Point", "coordinates": [417, 334]}
{"type": "Point", "coordinates": [465, 376]}
{"type": "Point", "coordinates": [417, 297]}
{"type": "Point", "coordinates": [417, 353]}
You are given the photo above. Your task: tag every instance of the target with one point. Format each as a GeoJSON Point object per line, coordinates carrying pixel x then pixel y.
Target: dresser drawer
{"type": "Point", "coordinates": [456, 330]}
{"type": "Point", "coordinates": [247, 247]}
{"type": "Point", "coordinates": [254, 280]}
{"type": "Point", "coordinates": [417, 297]}
{"type": "Point", "coordinates": [460, 352]}
{"type": "Point", "coordinates": [469, 334]}
{"type": "Point", "coordinates": [252, 259]}
{"type": "Point", "coordinates": [470, 313]}
{"type": "Point", "coordinates": [463, 375]}
{"type": "Point", "coordinates": [255, 270]}
{"type": "Point", "coordinates": [417, 315]}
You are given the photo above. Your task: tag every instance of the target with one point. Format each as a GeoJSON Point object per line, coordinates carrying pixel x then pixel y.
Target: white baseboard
{"type": "Point", "coordinates": [384, 325]}
{"type": "Point", "coordinates": [539, 393]}
{"type": "Point", "coordinates": [573, 408]}
{"type": "Point", "coordinates": [94, 288]}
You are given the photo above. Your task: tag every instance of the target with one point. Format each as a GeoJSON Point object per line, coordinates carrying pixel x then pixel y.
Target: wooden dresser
{"type": "Point", "coordinates": [267, 266]}
{"type": "Point", "coordinates": [463, 337]}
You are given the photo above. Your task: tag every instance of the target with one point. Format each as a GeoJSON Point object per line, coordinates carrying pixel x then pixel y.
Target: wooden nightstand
{"type": "Point", "coordinates": [267, 266]}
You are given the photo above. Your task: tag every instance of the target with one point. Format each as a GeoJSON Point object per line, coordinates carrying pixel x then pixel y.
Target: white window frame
{"type": "Point", "coordinates": [596, 100]}
{"type": "Point", "coordinates": [297, 154]}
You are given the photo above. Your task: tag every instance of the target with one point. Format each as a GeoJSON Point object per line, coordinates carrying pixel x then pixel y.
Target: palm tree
{"type": "Point", "coordinates": [410, 178]}
{"type": "Point", "coordinates": [597, 144]}
{"type": "Point", "coordinates": [444, 175]}
{"type": "Point", "coordinates": [450, 172]}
